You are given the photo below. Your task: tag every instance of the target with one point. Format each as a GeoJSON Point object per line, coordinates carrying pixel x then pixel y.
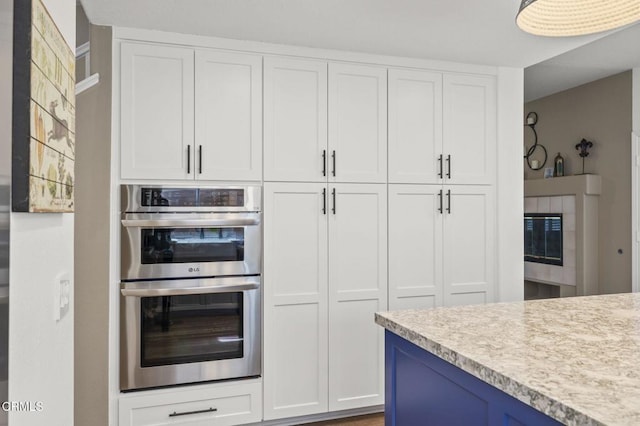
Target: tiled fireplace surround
{"type": "Point", "coordinates": [554, 274]}
{"type": "Point", "coordinates": [577, 198]}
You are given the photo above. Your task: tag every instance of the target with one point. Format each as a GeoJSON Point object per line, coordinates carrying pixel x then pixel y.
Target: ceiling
{"type": "Point", "coordinates": [468, 31]}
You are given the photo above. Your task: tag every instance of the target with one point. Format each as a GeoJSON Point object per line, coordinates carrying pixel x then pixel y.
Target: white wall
{"type": "Point", "coordinates": [635, 178]}
{"type": "Point", "coordinates": [41, 349]}
{"type": "Point", "coordinates": [510, 184]}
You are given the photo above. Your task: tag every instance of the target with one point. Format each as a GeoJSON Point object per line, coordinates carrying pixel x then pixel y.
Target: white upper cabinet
{"type": "Point", "coordinates": [295, 120]}
{"type": "Point", "coordinates": [357, 123]}
{"type": "Point", "coordinates": [442, 128]}
{"type": "Point", "coordinates": [415, 126]}
{"type": "Point", "coordinates": [469, 135]}
{"type": "Point", "coordinates": [189, 115]}
{"type": "Point", "coordinates": [156, 112]}
{"type": "Point", "coordinates": [228, 116]}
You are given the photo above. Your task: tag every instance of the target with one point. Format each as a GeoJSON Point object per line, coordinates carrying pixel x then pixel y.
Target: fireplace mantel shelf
{"type": "Point", "coordinates": [566, 185]}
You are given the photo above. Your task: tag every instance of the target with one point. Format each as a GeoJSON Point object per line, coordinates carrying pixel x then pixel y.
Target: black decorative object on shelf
{"type": "Point", "coordinates": [583, 148]}
{"type": "Point", "coordinates": [532, 119]}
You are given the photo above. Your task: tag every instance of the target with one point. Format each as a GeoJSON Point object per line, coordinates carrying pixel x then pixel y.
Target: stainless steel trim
{"type": "Point", "coordinates": [182, 223]}
{"type": "Point", "coordinates": [159, 288]}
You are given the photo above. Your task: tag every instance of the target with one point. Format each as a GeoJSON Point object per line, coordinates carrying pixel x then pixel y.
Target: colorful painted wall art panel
{"type": "Point", "coordinates": [43, 113]}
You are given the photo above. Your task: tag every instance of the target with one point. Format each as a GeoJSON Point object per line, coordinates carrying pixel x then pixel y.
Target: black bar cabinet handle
{"type": "Point", "coordinates": [333, 194]}
{"type": "Point", "coordinates": [188, 159]}
{"type": "Point", "coordinates": [449, 201]}
{"type": "Point", "coordinates": [448, 166]}
{"type": "Point", "coordinates": [440, 173]}
{"type": "Point", "coordinates": [324, 162]}
{"type": "Point", "coordinates": [333, 158]}
{"type": "Point", "coordinates": [324, 200]}
{"type": "Point", "coordinates": [440, 207]}
{"type": "Point", "coordinates": [199, 159]}
{"type": "Point", "coordinates": [188, 413]}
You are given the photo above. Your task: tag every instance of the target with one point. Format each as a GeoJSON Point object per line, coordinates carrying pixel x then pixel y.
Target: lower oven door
{"type": "Point", "coordinates": [186, 331]}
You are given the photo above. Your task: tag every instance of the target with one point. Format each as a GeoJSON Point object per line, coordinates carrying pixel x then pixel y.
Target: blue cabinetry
{"type": "Point", "coordinates": [424, 390]}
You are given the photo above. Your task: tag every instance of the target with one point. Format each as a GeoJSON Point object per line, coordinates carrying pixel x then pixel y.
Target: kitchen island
{"type": "Point", "coordinates": [571, 361]}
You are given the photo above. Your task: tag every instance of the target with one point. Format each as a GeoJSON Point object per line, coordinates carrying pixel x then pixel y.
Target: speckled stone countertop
{"type": "Point", "coordinates": [575, 359]}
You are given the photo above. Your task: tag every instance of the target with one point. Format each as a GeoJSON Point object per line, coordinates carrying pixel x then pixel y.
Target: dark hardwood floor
{"type": "Point", "coordinates": [368, 420]}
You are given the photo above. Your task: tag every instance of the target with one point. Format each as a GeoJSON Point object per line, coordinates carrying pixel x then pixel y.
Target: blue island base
{"type": "Point", "coordinates": [422, 389]}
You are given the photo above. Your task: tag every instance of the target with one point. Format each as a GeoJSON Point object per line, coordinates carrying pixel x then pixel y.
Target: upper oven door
{"type": "Point", "coordinates": [156, 245]}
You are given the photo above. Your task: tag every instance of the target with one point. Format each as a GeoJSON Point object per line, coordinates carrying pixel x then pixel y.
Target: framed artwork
{"type": "Point", "coordinates": [43, 143]}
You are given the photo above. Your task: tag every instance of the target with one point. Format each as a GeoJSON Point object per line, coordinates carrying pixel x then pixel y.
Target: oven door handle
{"type": "Point", "coordinates": [156, 292]}
{"type": "Point", "coordinates": [173, 223]}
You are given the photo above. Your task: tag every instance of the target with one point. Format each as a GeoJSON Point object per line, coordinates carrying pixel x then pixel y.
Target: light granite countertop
{"type": "Point", "coordinates": [575, 359]}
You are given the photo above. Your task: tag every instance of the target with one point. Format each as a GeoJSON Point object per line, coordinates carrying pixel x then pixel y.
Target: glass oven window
{"type": "Point", "coordinates": [191, 328]}
{"type": "Point", "coordinates": [189, 245]}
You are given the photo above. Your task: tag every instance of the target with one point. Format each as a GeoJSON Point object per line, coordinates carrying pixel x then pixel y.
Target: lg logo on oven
{"type": "Point", "coordinates": [194, 269]}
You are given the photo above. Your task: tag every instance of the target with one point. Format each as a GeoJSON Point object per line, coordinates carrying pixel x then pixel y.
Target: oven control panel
{"type": "Point", "coordinates": [192, 197]}
{"type": "Point", "coordinates": [149, 198]}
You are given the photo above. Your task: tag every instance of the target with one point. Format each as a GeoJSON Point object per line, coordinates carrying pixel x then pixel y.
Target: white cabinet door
{"type": "Point", "coordinates": [295, 120]}
{"type": "Point", "coordinates": [228, 116]}
{"type": "Point", "coordinates": [156, 112]}
{"type": "Point", "coordinates": [469, 133]}
{"type": "Point", "coordinates": [295, 300]}
{"type": "Point", "coordinates": [357, 289]}
{"type": "Point", "coordinates": [415, 126]}
{"type": "Point", "coordinates": [357, 123]}
{"type": "Point", "coordinates": [415, 246]}
{"type": "Point", "coordinates": [469, 245]}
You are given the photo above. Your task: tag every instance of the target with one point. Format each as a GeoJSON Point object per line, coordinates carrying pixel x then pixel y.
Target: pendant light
{"type": "Point", "coordinates": [557, 18]}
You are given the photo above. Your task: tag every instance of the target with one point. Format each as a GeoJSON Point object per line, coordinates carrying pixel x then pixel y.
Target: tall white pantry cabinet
{"type": "Point", "coordinates": [380, 192]}
{"type": "Point", "coordinates": [442, 150]}
{"type": "Point", "coordinates": [325, 235]}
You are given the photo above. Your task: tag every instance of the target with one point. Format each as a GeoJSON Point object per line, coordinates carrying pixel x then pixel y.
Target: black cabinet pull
{"type": "Point", "coordinates": [324, 162]}
{"type": "Point", "coordinates": [333, 158]}
{"type": "Point", "coordinates": [188, 159]}
{"type": "Point", "coordinates": [187, 413]}
{"type": "Point", "coordinates": [333, 194]}
{"type": "Point", "coordinates": [440, 207]}
{"type": "Point", "coordinates": [324, 200]}
{"type": "Point", "coordinates": [448, 167]}
{"type": "Point", "coordinates": [199, 159]}
{"type": "Point", "coordinates": [449, 201]}
{"type": "Point", "coordinates": [440, 172]}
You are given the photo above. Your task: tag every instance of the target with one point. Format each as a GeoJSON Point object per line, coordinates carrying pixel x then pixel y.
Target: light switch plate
{"type": "Point", "coordinates": [62, 295]}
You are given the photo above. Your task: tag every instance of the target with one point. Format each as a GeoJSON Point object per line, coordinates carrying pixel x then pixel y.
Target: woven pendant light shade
{"type": "Point", "coordinates": [575, 17]}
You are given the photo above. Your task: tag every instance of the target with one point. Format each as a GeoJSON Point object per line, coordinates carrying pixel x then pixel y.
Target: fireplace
{"type": "Point", "coordinates": [543, 238]}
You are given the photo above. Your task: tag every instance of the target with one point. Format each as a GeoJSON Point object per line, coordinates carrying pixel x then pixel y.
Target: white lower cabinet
{"type": "Point", "coordinates": [324, 277]}
{"type": "Point", "coordinates": [218, 404]}
{"type": "Point", "coordinates": [441, 245]}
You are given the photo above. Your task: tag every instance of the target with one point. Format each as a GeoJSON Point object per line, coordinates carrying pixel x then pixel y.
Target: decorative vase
{"type": "Point", "coordinates": [558, 166]}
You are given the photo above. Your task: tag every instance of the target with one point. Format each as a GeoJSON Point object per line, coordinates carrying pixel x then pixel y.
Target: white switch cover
{"type": "Point", "coordinates": [62, 295]}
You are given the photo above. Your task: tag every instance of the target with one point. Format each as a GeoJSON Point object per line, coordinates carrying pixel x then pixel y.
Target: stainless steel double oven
{"type": "Point", "coordinates": [191, 284]}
